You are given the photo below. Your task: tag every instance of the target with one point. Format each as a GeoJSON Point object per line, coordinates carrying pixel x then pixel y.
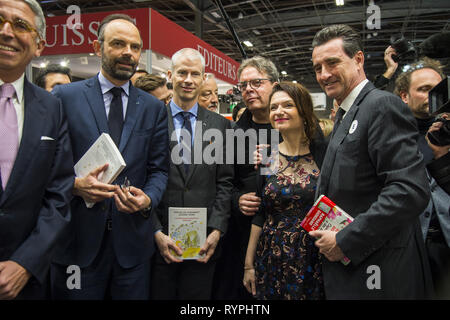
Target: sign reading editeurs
{"type": "Point", "coordinates": [158, 34]}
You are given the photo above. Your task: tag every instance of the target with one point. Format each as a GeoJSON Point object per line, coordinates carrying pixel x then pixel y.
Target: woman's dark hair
{"type": "Point", "coordinates": [236, 109]}
{"type": "Point", "coordinates": [303, 102]}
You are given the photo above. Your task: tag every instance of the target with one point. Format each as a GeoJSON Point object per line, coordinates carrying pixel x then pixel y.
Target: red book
{"type": "Point", "coordinates": [326, 215]}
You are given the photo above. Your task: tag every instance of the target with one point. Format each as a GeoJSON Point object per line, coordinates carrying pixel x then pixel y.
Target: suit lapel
{"type": "Point", "coordinates": [34, 121]}
{"type": "Point", "coordinates": [338, 138]}
{"type": "Point", "coordinates": [94, 96]}
{"type": "Point", "coordinates": [130, 117]}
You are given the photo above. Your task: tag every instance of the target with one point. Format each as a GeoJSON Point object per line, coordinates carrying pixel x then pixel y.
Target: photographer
{"type": "Point", "coordinates": [413, 86]}
{"type": "Point", "coordinates": [383, 80]}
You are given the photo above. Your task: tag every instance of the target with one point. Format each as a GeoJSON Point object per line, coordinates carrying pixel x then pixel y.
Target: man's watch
{"type": "Point", "coordinates": [146, 211]}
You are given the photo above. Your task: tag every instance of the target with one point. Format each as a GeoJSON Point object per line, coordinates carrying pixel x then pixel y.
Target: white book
{"type": "Point", "coordinates": [187, 227]}
{"type": "Point", "coordinates": [103, 151]}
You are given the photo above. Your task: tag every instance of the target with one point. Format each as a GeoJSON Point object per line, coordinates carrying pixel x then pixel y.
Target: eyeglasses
{"type": "Point", "coordinates": [254, 84]}
{"type": "Point", "coordinates": [18, 26]}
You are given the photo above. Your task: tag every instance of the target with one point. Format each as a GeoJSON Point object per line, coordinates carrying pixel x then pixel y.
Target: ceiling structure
{"type": "Point", "coordinates": [282, 30]}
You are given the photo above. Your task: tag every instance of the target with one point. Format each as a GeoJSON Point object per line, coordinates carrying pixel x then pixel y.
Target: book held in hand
{"type": "Point", "coordinates": [187, 227]}
{"type": "Point", "coordinates": [326, 215]}
{"type": "Point", "coordinates": [102, 151]}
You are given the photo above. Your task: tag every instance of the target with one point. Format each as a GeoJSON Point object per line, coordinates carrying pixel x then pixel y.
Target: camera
{"type": "Point", "coordinates": [439, 103]}
{"type": "Point", "coordinates": [406, 52]}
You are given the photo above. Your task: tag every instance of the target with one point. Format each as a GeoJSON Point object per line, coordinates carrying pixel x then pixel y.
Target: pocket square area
{"type": "Point", "coordinates": [46, 138]}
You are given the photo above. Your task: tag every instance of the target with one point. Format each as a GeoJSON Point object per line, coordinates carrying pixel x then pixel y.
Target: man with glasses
{"type": "Point", "coordinates": [413, 86]}
{"type": "Point", "coordinates": [257, 76]}
{"type": "Point", "coordinates": [112, 242]}
{"type": "Point", "coordinates": [35, 159]}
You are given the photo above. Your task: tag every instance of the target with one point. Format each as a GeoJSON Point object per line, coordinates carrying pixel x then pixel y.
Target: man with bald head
{"type": "Point", "coordinates": [192, 184]}
{"type": "Point", "coordinates": [112, 242]}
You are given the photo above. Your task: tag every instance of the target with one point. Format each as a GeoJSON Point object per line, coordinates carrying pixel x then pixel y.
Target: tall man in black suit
{"type": "Point", "coordinates": [35, 158]}
{"type": "Point", "coordinates": [112, 242]}
{"type": "Point", "coordinates": [372, 170]}
{"type": "Point", "coordinates": [197, 184]}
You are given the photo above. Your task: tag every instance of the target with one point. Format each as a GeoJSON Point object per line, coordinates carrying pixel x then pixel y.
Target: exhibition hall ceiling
{"type": "Point", "coordinates": [282, 30]}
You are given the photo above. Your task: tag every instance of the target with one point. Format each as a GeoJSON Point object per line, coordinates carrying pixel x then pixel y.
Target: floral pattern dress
{"type": "Point", "coordinates": [287, 263]}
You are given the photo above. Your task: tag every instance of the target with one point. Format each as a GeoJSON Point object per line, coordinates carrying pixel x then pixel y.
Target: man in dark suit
{"type": "Point", "coordinates": [112, 242]}
{"type": "Point", "coordinates": [35, 158]}
{"type": "Point", "coordinates": [372, 170]}
{"type": "Point", "coordinates": [191, 184]}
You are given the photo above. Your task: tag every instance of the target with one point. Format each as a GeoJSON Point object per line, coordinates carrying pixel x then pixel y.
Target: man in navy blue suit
{"type": "Point", "coordinates": [112, 242]}
{"type": "Point", "coordinates": [35, 158]}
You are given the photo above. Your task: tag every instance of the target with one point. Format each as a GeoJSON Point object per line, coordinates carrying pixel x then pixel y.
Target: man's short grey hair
{"type": "Point", "coordinates": [189, 53]}
{"type": "Point", "coordinates": [263, 65]}
{"type": "Point", "coordinates": [39, 19]}
{"type": "Point", "coordinates": [351, 39]}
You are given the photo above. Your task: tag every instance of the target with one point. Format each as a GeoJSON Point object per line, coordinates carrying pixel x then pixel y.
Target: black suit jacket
{"type": "Point", "coordinates": [374, 171]}
{"type": "Point", "coordinates": [34, 207]}
{"type": "Point", "coordinates": [205, 185]}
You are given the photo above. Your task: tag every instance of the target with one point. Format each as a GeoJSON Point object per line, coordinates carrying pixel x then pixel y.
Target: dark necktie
{"type": "Point", "coordinates": [337, 120]}
{"type": "Point", "coordinates": [186, 126]}
{"type": "Point", "coordinates": [115, 118]}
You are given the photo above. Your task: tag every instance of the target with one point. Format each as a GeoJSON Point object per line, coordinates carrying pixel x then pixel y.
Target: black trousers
{"type": "Point", "coordinates": [439, 258]}
{"type": "Point", "coordinates": [104, 279]}
{"type": "Point", "coordinates": [187, 280]}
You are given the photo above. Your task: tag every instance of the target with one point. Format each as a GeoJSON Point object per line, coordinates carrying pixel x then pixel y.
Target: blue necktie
{"type": "Point", "coordinates": [115, 118]}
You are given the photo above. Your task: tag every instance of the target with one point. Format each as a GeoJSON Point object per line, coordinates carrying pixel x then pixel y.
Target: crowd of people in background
{"type": "Point", "coordinates": [373, 157]}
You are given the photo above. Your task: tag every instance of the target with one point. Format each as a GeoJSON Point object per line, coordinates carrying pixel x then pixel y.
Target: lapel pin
{"type": "Point", "coordinates": [353, 126]}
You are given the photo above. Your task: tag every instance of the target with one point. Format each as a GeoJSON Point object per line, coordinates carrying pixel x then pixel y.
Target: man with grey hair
{"type": "Point", "coordinates": [374, 171]}
{"type": "Point", "coordinates": [192, 184]}
{"type": "Point", "coordinates": [35, 159]}
{"type": "Point", "coordinates": [112, 241]}
{"type": "Point", "coordinates": [209, 94]}
{"type": "Point", "coordinates": [257, 76]}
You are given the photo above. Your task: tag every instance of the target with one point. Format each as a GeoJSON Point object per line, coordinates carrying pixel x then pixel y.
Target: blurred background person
{"type": "Point", "coordinates": [327, 126]}
{"type": "Point", "coordinates": [413, 87]}
{"type": "Point", "coordinates": [53, 75]}
{"type": "Point", "coordinates": [209, 94]}
{"type": "Point", "coordinates": [137, 74]}
{"type": "Point", "coordinates": [238, 110]}
{"type": "Point", "coordinates": [282, 261]}
{"type": "Point", "coordinates": [155, 85]}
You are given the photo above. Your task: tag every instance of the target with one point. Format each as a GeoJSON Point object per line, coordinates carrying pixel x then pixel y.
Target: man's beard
{"type": "Point", "coordinates": [110, 66]}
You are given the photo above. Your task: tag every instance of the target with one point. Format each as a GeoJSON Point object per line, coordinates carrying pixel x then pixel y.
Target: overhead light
{"type": "Point", "coordinates": [43, 64]}
{"type": "Point", "coordinates": [64, 63]}
{"type": "Point", "coordinates": [294, 81]}
{"type": "Point", "coordinates": [215, 15]}
{"type": "Point", "coordinates": [283, 73]}
{"type": "Point", "coordinates": [255, 31]}
{"type": "Point", "coordinates": [240, 15]}
{"type": "Point", "coordinates": [248, 43]}
{"type": "Point", "coordinates": [339, 2]}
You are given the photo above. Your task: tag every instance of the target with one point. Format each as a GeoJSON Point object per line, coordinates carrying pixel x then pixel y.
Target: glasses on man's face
{"type": "Point", "coordinates": [18, 26]}
{"type": "Point", "coordinates": [254, 84]}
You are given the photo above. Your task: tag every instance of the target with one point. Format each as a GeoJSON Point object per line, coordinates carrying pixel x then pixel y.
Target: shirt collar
{"type": "Point", "coordinates": [107, 85]}
{"type": "Point", "coordinates": [350, 99]}
{"type": "Point", "coordinates": [18, 86]}
{"type": "Point", "coordinates": [175, 110]}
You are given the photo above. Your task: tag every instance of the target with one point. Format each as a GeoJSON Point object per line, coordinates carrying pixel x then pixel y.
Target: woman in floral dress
{"type": "Point", "coordinates": [282, 261]}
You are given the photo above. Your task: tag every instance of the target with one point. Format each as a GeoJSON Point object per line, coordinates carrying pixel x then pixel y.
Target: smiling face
{"type": "Point", "coordinates": [17, 49]}
{"type": "Point", "coordinates": [284, 114]}
{"type": "Point", "coordinates": [187, 78]}
{"type": "Point", "coordinates": [121, 51]}
{"type": "Point", "coordinates": [336, 72]}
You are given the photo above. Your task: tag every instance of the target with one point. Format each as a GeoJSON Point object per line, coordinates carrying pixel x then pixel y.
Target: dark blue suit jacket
{"type": "Point", "coordinates": [144, 147]}
{"type": "Point", "coordinates": [34, 207]}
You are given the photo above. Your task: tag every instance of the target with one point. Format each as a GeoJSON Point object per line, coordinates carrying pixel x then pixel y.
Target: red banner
{"type": "Point", "coordinates": [61, 39]}
{"type": "Point", "coordinates": [167, 38]}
